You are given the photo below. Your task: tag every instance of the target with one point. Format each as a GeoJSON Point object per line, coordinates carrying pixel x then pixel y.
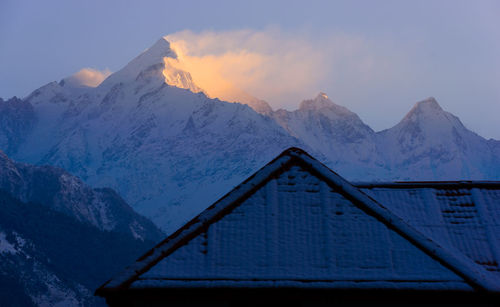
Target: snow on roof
{"type": "Point", "coordinates": [461, 216]}
{"type": "Point", "coordinates": [295, 223]}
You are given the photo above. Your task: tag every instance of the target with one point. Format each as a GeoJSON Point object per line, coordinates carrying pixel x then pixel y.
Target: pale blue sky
{"type": "Point", "coordinates": [446, 49]}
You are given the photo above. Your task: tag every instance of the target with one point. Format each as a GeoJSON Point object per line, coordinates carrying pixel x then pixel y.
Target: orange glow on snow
{"type": "Point", "coordinates": [229, 65]}
{"type": "Point", "coordinates": [90, 77]}
{"type": "Point", "coordinates": [216, 74]}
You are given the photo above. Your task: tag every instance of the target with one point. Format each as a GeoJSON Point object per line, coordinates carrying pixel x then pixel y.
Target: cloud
{"type": "Point", "coordinates": [282, 67]}
{"type": "Point", "coordinates": [88, 77]}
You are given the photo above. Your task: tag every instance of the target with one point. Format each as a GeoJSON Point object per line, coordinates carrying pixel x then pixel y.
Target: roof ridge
{"type": "Point", "coordinates": [486, 184]}
{"type": "Point", "coordinates": [472, 273]}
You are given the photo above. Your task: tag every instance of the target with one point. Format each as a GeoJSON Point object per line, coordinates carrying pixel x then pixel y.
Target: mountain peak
{"type": "Point", "coordinates": [322, 95]}
{"type": "Point", "coordinates": [149, 62]}
{"type": "Point", "coordinates": [153, 55]}
{"type": "Point", "coordinates": [160, 50]}
{"type": "Point", "coordinates": [428, 118]}
{"type": "Point", "coordinates": [425, 110]}
{"type": "Point", "coordinates": [428, 104]}
{"type": "Point", "coordinates": [321, 101]}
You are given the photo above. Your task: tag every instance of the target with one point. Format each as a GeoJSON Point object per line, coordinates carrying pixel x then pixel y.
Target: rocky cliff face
{"type": "Point", "coordinates": [60, 191]}
{"type": "Point", "coordinates": [17, 119]}
{"type": "Point", "coordinates": [61, 239]}
{"type": "Point", "coordinates": [51, 259]}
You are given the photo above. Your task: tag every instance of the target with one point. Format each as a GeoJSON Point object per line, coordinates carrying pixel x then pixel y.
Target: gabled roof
{"type": "Point", "coordinates": [473, 274]}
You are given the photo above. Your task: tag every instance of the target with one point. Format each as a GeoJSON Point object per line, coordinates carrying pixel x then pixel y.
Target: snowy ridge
{"type": "Point", "coordinates": [337, 134]}
{"type": "Point", "coordinates": [437, 144]}
{"type": "Point", "coordinates": [150, 59]}
{"type": "Point", "coordinates": [67, 194]}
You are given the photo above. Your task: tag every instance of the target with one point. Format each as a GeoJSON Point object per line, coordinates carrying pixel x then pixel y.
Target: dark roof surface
{"type": "Point", "coordinates": [284, 203]}
{"type": "Point", "coordinates": [462, 216]}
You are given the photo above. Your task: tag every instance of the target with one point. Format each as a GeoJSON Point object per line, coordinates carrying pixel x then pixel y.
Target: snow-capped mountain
{"type": "Point", "coordinates": [151, 133]}
{"type": "Point", "coordinates": [60, 191]}
{"type": "Point", "coordinates": [430, 143]}
{"type": "Point", "coordinates": [348, 145]}
{"type": "Point", "coordinates": [168, 151]}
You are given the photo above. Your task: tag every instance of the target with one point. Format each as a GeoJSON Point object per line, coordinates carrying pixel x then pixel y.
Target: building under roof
{"type": "Point", "coordinates": [297, 233]}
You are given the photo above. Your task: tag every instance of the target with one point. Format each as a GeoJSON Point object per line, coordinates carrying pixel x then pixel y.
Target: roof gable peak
{"type": "Point", "coordinates": [473, 274]}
